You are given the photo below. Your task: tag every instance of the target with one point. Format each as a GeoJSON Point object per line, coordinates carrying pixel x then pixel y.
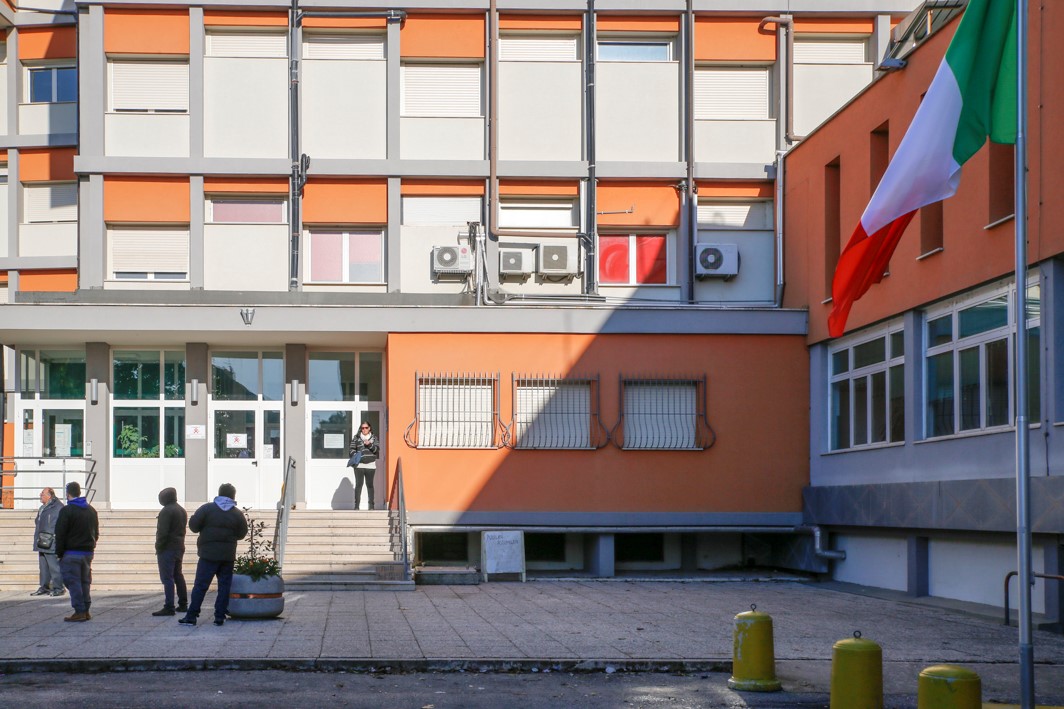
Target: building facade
{"type": "Point", "coordinates": [535, 245]}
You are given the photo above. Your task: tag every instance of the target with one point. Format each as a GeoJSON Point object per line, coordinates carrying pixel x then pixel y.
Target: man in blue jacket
{"type": "Point", "coordinates": [220, 526]}
{"type": "Point", "coordinates": [76, 532]}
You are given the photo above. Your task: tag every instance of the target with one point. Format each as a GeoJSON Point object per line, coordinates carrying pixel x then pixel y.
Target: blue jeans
{"type": "Point", "coordinates": [206, 570]}
{"type": "Point", "coordinates": [170, 573]}
{"type": "Point", "coordinates": [77, 575]}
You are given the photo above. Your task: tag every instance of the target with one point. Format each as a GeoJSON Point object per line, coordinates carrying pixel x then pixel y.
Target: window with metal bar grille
{"type": "Point", "coordinates": [664, 414]}
{"type": "Point", "coordinates": [456, 411]}
{"type": "Point", "coordinates": [553, 413]}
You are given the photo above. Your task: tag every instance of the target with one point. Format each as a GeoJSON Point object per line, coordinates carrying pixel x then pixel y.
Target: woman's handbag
{"type": "Point", "coordinates": [355, 459]}
{"type": "Point", "coordinates": [45, 540]}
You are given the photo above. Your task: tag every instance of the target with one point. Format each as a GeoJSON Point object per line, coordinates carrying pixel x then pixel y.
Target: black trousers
{"type": "Point", "coordinates": [364, 475]}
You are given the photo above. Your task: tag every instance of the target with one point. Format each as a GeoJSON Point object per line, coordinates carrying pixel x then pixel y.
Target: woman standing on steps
{"type": "Point", "coordinates": [366, 443]}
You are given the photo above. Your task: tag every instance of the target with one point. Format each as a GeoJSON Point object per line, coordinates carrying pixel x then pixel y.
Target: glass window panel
{"type": "Point", "coordinates": [840, 362]}
{"type": "Point", "coordinates": [997, 383]}
{"type": "Point", "coordinates": [983, 317]}
{"type": "Point", "coordinates": [860, 411]}
{"type": "Point", "coordinates": [326, 256]}
{"type": "Point", "coordinates": [40, 86]}
{"type": "Point", "coordinates": [840, 415]}
{"type": "Point", "coordinates": [136, 432]}
{"type": "Point", "coordinates": [247, 211]}
{"type": "Point", "coordinates": [272, 376]}
{"type": "Point", "coordinates": [64, 432]}
{"type": "Point", "coordinates": [66, 84]}
{"type": "Point", "coordinates": [271, 434]}
{"type": "Point", "coordinates": [940, 331]}
{"type": "Point", "coordinates": [872, 352]}
{"type": "Point", "coordinates": [28, 372]}
{"type": "Point", "coordinates": [364, 258]}
{"type": "Point", "coordinates": [370, 376]}
{"type": "Point", "coordinates": [940, 394]}
{"type": "Point", "coordinates": [897, 344]}
{"type": "Point", "coordinates": [879, 407]}
{"type": "Point", "coordinates": [235, 376]}
{"type": "Point", "coordinates": [136, 374]}
{"type": "Point", "coordinates": [331, 376]}
{"type": "Point", "coordinates": [1034, 375]}
{"type": "Point", "coordinates": [330, 434]}
{"type": "Point", "coordinates": [633, 51]}
{"type": "Point", "coordinates": [970, 390]}
{"type": "Point", "coordinates": [174, 376]}
{"type": "Point", "coordinates": [897, 404]}
{"type": "Point", "coordinates": [174, 433]}
{"type": "Point", "coordinates": [613, 259]}
{"type": "Point", "coordinates": [234, 434]}
{"type": "Point", "coordinates": [1034, 302]}
{"type": "Point", "coordinates": [650, 259]}
{"type": "Point", "coordinates": [63, 375]}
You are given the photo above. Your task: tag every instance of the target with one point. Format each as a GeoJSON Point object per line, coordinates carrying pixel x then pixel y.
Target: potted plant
{"type": "Point", "coordinates": [258, 589]}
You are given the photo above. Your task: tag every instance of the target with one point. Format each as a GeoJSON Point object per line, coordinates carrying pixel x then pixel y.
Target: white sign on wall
{"type": "Point", "coordinates": [236, 440]}
{"type": "Point", "coordinates": [62, 435]}
{"type": "Point", "coordinates": [334, 440]}
{"type": "Point", "coordinates": [195, 431]}
{"type": "Point", "coordinates": [502, 553]}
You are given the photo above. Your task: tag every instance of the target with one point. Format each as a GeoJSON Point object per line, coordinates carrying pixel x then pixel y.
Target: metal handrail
{"type": "Point", "coordinates": [9, 467]}
{"type": "Point", "coordinates": [280, 528]}
{"type": "Point", "coordinates": [397, 502]}
{"type": "Point", "coordinates": [1008, 577]}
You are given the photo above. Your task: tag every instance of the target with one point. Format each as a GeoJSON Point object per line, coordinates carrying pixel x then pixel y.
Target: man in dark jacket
{"type": "Point", "coordinates": [170, 551]}
{"type": "Point", "coordinates": [220, 526]}
{"type": "Point", "coordinates": [76, 532]}
{"type": "Point", "coordinates": [44, 544]}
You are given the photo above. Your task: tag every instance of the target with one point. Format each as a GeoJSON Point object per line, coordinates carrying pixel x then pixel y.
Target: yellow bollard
{"type": "Point", "coordinates": [856, 674]}
{"type": "Point", "coordinates": [948, 687]}
{"type": "Point", "coordinates": [753, 660]}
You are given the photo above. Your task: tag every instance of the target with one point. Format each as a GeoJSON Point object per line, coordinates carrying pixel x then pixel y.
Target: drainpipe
{"type": "Point", "coordinates": [818, 543]}
{"type": "Point", "coordinates": [785, 131]}
{"type": "Point", "coordinates": [490, 274]}
{"type": "Point", "coordinates": [691, 193]}
{"type": "Point", "coordinates": [591, 193]}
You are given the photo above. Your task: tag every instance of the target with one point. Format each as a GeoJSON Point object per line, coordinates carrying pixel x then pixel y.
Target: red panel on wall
{"type": "Point", "coordinates": [613, 259]}
{"type": "Point", "coordinates": [650, 259]}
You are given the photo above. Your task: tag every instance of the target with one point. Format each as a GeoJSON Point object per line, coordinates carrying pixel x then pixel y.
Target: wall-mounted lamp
{"type": "Point", "coordinates": [94, 391]}
{"type": "Point", "coordinates": [294, 393]}
{"type": "Point", "coordinates": [193, 394]}
{"type": "Point", "coordinates": [247, 315]}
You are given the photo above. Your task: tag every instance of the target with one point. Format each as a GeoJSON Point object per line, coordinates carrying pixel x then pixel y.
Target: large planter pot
{"type": "Point", "coordinates": [256, 599]}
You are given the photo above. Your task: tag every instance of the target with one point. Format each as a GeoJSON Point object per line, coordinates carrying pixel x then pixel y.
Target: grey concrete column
{"type": "Point", "coordinates": [914, 378]}
{"type": "Point", "coordinates": [880, 38]}
{"type": "Point", "coordinates": [196, 42]}
{"type": "Point", "coordinates": [13, 211]}
{"type": "Point", "coordinates": [599, 554]}
{"type": "Point", "coordinates": [393, 248]}
{"type": "Point", "coordinates": [92, 235]}
{"type": "Point", "coordinates": [295, 447]}
{"type": "Point", "coordinates": [918, 567]}
{"type": "Point", "coordinates": [98, 418]}
{"type": "Point", "coordinates": [1053, 563]}
{"type": "Point", "coordinates": [92, 77]}
{"type": "Point", "coordinates": [197, 385]}
{"type": "Point", "coordinates": [196, 263]}
{"type": "Point", "coordinates": [393, 80]}
{"type": "Point", "coordinates": [14, 83]}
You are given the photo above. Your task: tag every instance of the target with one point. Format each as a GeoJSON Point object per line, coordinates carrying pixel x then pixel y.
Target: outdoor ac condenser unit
{"type": "Point", "coordinates": [716, 260]}
{"type": "Point", "coordinates": [449, 260]}
{"type": "Point", "coordinates": [557, 260]}
{"type": "Point", "coordinates": [515, 262]}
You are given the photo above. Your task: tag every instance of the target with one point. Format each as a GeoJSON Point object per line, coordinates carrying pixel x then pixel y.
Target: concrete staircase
{"type": "Point", "coordinates": [326, 550]}
{"type": "Point", "coordinates": [344, 550]}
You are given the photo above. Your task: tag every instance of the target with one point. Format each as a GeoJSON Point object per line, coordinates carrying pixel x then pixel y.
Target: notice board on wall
{"type": "Point", "coordinates": [502, 555]}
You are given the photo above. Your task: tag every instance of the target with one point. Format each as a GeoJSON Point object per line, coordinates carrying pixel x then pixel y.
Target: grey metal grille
{"type": "Point", "coordinates": [455, 410]}
{"type": "Point", "coordinates": [659, 413]}
{"type": "Point", "coordinates": [552, 412]}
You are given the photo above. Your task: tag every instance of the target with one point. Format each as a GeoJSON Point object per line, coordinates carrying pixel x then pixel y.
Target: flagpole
{"type": "Point", "coordinates": [1023, 493]}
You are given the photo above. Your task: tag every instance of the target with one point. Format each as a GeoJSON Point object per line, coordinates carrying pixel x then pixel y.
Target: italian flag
{"type": "Point", "coordinates": [972, 97]}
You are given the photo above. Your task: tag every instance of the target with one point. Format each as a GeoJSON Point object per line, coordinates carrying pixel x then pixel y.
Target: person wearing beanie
{"type": "Point", "coordinates": [220, 526]}
{"type": "Point", "coordinates": [76, 532]}
{"type": "Point", "coordinates": [170, 552]}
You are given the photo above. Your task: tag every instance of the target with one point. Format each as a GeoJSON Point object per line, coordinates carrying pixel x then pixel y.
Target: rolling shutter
{"type": "Point", "coordinates": [441, 91]}
{"type": "Point", "coordinates": [246, 44]}
{"type": "Point", "coordinates": [458, 211]}
{"type": "Point", "coordinates": [731, 93]}
{"type": "Point", "coordinates": [735, 215]}
{"type": "Point", "coordinates": [343, 46]}
{"type": "Point", "coordinates": [829, 51]}
{"type": "Point", "coordinates": [50, 203]}
{"type": "Point", "coordinates": [149, 86]}
{"type": "Point", "coordinates": [539, 49]}
{"type": "Point", "coordinates": [537, 215]}
{"type": "Point", "coordinates": [149, 250]}
{"type": "Point", "coordinates": [660, 416]}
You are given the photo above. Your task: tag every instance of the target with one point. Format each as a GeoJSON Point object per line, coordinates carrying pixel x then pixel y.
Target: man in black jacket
{"type": "Point", "coordinates": [76, 532]}
{"type": "Point", "coordinates": [170, 551]}
{"type": "Point", "coordinates": [220, 526]}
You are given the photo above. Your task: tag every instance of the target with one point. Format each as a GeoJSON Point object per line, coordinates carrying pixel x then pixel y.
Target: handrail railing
{"type": "Point", "coordinates": [1008, 577]}
{"type": "Point", "coordinates": [280, 528]}
{"type": "Point", "coordinates": [397, 502]}
{"type": "Point", "coordinates": [9, 465]}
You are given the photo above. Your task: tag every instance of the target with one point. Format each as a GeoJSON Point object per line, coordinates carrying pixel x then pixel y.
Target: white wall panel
{"type": "Point", "coordinates": [345, 109]}
{"type": "Point", "coordinates": [441, 138]}
{"type": "Point", "coordinates": [415, 258]}
{"type": "Point", "coordinates": [638, 111]}
{"type": "Point", "coordinates": [245, 108]}
{"type": "Point", "coordinates": [735, 141]}
{"type": "Point", "coordinates": [540, 106]}
{"type": "Point", "coordinates": [5, 234]}
{"type": "Point", "coordinates": [146, 135]}
{"type": "Point", "coordinates": [261, 251]}
{"type": "Point", "coordinates": [41, 118]}
{"type": "Point", "coordinates": [756, 279]}
{"type": "Point", "coordinates": [881, 562]}
{"type": "Point", "coordinates": [48, 239]}
{"type": "Point", "coordinates": [3, 92]}
{"type": "Point", "coordinates": [974, 570]}
{"type": "Point", "coordinates": [822, 89]}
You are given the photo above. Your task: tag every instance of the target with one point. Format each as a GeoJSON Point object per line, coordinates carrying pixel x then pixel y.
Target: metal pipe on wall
{"type": "Point", "coordinates": [493, 143]}
{"type": "Point", "coordinates": [691, 191]}
{"type": "Point", "coordinates": [591, 192]}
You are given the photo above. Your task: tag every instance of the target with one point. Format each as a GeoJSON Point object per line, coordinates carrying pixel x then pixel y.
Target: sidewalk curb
{"type": "Point", "coordinates": [362, 665]}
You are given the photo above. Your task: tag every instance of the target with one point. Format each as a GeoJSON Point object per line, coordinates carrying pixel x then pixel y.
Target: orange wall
{"type": "Point", "coordinates": [146, 199]}
{"type": "Point", "coordinates": [47, 43]}
{"type": "Point", "coordinates": [45, 165]}
{"type": "Point", "coordinates": [8, 499]}
{"type": "Point", "coordinates": [754, 466]}
{"type": "Point", "coordinates": [245, 185]}
{"type": "Point", "coordinates": [442, 187]}
{"type": "Point", "coordinates": [443, 36]}
{"type": "Point", "coordinates": [145, 31]}
{"type": "Point", "coordinates": [637, 23]}
{"type": "Point", "coordinates": [346, 202]}
{"type": "Point", "coordinates": [733, 39]}
{"type": "Point", "coordinates": [652, 204]}
{"type": "Point", "coordinates": [221, 18]}
{"type": "Point", "coordinates": [51, 281]}
{"type": "Point", "coordinates": [570, 23]}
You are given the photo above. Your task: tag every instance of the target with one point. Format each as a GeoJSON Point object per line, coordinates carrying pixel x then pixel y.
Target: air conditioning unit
{"type": "Point", "coordinates": [716, 260]}
{"type": "Point", "coordinates": [515, 262]}
{"type": "Point", "coordinates": [557, 260]}
{"type": "Point", "coordinates": [451, 260]}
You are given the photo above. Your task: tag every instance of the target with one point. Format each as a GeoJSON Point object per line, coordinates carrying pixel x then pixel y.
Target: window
{"type": "Point", "coordinates": [343, 46]}
{"type": "Point", "coordinates": [432, 211]}
{"type": "Point", "coordinates": [538, 214]}
{"type": "Point", "coordinates": [346, 257]}
{"type": "Point", "coordinates": [149, 413]}
{"type": "Point", "coordinates": [868, 389]}
{"type": "Point", "coordinates": [832, 222]}
{"type": "Point", "coordinates": [731, 93]}
{"type": "Point", "coordinates": [440, 90]}
{"type": "Point", "coordinates": [539, 48]}
{"type": "Point", "coordinates": [969, 362]}
{"type": "Point", "coordinates": [556, 413]}
{"type": "Point", "coordinates": [148, 87]}
{"type": "Point", "coordinates": [1002, 188]}
{"type": "Point", "coordinates": [247, 211]}
{"type": "Point", "coordinates": [50, 203]}
{"type": "Point", "coordinates": [455, 411]}
{"type": "Point", "coordinates": [247, 376]}
{"type": "Point", "coordinates": [663, 414]}
{"type": "Point", "coordinates": [55, 84]}
{"type": "Point", "coordinates": [634, 259]}
{"type": "Point", "coordinates": [247, 44]}
{"type": "Point", "coordinates": [631, 50]}
{"type": "Point", "coordinates": [148, 254]}
{"type": "Point", "coordinates": [52, 374]}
